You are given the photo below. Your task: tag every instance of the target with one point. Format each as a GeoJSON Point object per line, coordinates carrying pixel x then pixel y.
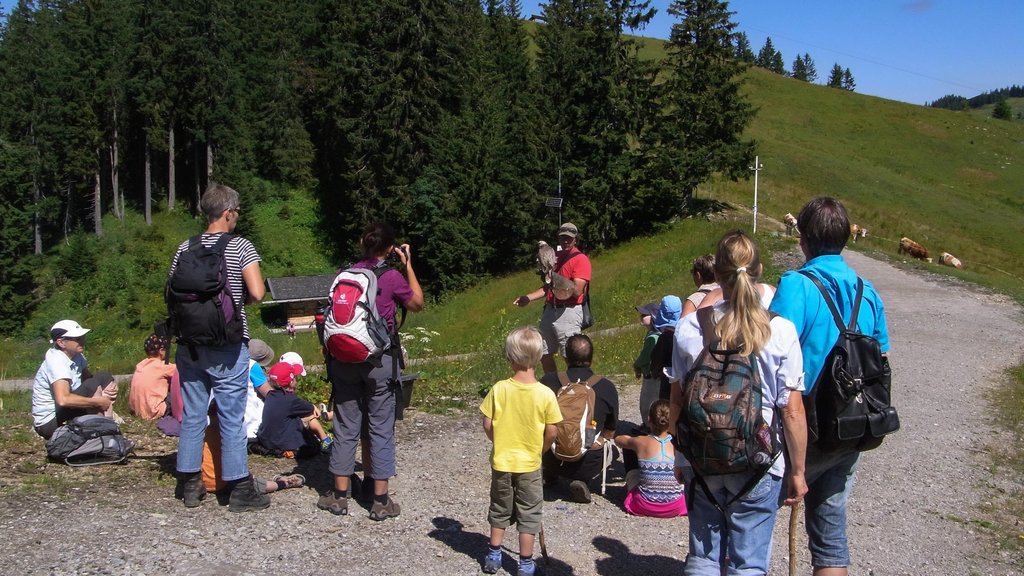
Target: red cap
{"type": "Point", "coordinates": [283, 374]}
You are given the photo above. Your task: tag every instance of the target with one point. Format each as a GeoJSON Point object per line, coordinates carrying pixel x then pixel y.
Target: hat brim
{"type": "Point", "coordinates": [649, 309]}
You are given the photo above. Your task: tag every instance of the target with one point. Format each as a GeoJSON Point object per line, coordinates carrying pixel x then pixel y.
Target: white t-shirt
{"type": "Point", "coordinates": [780, 363]}
{"type": "Point", "coordinates": [56, 366]}
{"type": "Point", "coordinates": [253, 403]}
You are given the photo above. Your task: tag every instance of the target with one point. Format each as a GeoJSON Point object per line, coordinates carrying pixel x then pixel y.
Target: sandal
{"type": "Point", "coordinates": [290, 480]}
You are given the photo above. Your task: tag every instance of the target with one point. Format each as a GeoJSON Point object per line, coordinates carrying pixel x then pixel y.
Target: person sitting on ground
{"type": "Point", "coordinates": [64, 388]}
{"type": "Point", "coordinates": [579, 352]}
{"type": "Point", "coordinates": [155, 383]}
{"type": "Point", "coordinates": [211, 466]}
{"type": "Point", "coordinates": [291, 426]}
{"type": "Point", "coordinates": [703, 273]}
{"type": "Point", "coordinates": [519, 417]}
{"type": "Point", "coordinates": [261, 356]}
{"type": "Point", "coordinates": [652, 488]}
{"type": "Point", "coordinates": [655, 383]}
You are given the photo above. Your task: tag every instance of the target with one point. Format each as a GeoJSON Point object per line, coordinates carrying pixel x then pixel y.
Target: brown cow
{"type": "Point", "coordinates": [857, 230]}
{"type": "Point", "coordinates": [915, 250]}
{"type": "Point", "coordinates": [950, 260]}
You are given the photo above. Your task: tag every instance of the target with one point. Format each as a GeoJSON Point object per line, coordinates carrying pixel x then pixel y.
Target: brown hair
{"type": "Point", "coordinates": [824, 226]}
{"type": "Point", "coordinates": [658, 417]}
{"type": "Point", "coordinates": [704, 268]}
{"type": "Point", "coordinates": [378, 239]}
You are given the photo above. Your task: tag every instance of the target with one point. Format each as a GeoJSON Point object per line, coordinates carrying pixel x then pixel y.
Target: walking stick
{"type": "Point", "coordinates": [543, 546]}
{"type": "Point", "coordinates": [793, 518]}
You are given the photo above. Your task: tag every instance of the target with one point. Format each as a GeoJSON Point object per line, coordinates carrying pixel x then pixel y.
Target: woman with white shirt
{"type": "Point", "coordinates": [739, 526]}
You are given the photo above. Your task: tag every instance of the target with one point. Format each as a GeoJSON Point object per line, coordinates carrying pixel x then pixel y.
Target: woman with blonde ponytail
{"type": "Point", "coordinates": [742, 532]}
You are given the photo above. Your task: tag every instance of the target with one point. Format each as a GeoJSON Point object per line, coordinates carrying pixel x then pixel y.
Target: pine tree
{"type": "Point", "coordinates": [743, 51]}
{"type": "Point", "coordinates": [848, 83]}
{"type": "Point", "coordinates": [703, 112]}
{"type": "Point", "coordinates": [765, 55]}
{"type": "Point", "coordinates": [799, 68]}
{"type": "Point", "coordinates": [810, 69]}
{"type": "Point", "coordinates": [1002, 110]}
{"type": "Point", "coordinates": [835, 77]}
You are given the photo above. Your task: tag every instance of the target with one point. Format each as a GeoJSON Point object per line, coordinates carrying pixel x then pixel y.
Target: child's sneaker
{"type": "Point", "coordinates": [527, 568]}
{"type": "Point", "coordinates": [323, 412]}
{"type": "Point", "coordinates": [325, 444]}
{"type": "Point", "coordinates": [492, 562]}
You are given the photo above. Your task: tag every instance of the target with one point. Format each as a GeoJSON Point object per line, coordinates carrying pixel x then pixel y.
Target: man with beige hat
{"type": "Point", "coordinates": [563, 309]}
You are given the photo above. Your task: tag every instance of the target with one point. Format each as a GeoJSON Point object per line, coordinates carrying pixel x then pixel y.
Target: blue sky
{"type": "Point", "coordinates": [914, 51]}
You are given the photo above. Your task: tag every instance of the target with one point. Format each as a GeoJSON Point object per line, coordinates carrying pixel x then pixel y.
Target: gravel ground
{"type": "Point", "coordinates": [950, 344]}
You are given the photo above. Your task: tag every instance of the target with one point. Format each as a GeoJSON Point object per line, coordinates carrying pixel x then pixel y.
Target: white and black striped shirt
{"type": "Point", "coordinates": [240, 254]}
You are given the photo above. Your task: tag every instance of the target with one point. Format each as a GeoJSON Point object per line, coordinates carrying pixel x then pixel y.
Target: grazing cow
{"type": "Point", "coordinates": [950, 260]}
{"type": "Point", "coordinates": [857, 230]}
{"type": "Point", "coordinates": [915, 250]}
{"type": "Point", "coordinates": [790, 221]}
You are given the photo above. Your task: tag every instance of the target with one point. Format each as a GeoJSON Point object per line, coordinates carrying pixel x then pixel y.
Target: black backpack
{"type": "Point", "coordinates": [721, 428]}
{"type": "Point", "coordinates": [88, 440]}
{"type": "Point", "coordinates": [849, 407]}
{"type": "Point", "coordinates": [200, 305]}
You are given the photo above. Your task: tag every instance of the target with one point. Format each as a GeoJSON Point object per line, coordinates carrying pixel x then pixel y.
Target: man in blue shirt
{"type": "Point", "coordinates": [824, 229]}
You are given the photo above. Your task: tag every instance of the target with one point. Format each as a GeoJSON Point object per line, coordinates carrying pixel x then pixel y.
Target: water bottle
{"type": "Point", "coordinates": [588, 440]}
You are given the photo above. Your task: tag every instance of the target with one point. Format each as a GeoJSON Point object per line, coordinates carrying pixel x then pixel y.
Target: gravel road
{"type": "Point", "coordinates": [950, 344]}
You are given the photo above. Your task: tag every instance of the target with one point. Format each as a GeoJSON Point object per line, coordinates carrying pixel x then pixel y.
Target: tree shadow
{"type": "Point", "coordinates": [621, 561]}
{"type": "Point", "coordinates": [450, 532]}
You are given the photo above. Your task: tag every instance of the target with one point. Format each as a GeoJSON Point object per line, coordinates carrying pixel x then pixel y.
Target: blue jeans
{"type": "Point", "coordinates": [748, 543]}
{"type": "Point", "coordinates": [223, 372]}
{"type": "Point", "coordinates": [830, 479]}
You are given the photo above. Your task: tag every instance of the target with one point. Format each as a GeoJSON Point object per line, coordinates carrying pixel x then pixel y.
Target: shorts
{"type": "Point", "coordinates": [830, 479]}
{"type": "Point", "coordinates": [516, 498]}
{"type": "Point", "coordinates": [558, 324]}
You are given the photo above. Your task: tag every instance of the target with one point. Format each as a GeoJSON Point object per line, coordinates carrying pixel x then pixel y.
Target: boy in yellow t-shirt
{"type": "Point", "coordinates": [519, 417]}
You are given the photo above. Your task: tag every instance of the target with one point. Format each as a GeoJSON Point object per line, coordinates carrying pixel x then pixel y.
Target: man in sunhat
{"type": "Point", "coordinates": [563, 310]}
{"type": "Point", "coordinates": [64, 388]}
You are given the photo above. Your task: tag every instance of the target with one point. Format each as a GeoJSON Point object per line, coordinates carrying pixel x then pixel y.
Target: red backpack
{"type": "Point", "coordinates": [354, 331]}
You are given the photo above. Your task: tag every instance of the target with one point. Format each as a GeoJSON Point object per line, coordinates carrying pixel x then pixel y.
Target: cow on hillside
{"type": "Point", "coordinates": [950, 260]}
{"type": "Point", "coordinates": [915, 250]}
{"type": "Point", "coordinates": [856, 231]}
{"type": "Point", "coordinates": [790, 221]}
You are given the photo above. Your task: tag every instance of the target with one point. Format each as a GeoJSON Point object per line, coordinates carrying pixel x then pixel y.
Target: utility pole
{"type": "Point", "coordinates": [757, 167]}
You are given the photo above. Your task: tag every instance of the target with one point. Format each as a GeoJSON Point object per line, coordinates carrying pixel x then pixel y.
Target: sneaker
{"type": "Point", "coordinates": [334, 502]}
{"type": "Point", "coordinates": [325, 444]}
{"type": "Point", "coordinates": [323, 412]}
{"type": "Point", "coordinates": [191, 489]}
{"type": "Point", "coordinates": [527, 568]}
{"type": "Point", "coordinates": [384, 511]}
{"type": "Point", "coordinates": [246, 498]}
{"type": "Point", "coordinates": [290, 480]}
{"type": "Point", "coordinates": [579, 492]}
{"type": "Point", "coordinates": [492, 562]}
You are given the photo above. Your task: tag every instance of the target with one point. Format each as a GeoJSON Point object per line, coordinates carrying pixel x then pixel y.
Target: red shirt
{"type": "Point", "coordinates": [572, 267]}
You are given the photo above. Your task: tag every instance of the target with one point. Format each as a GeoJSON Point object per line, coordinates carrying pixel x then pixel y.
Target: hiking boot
{"type": "Point", "coordinates": [245, 497]}
{"type": "Point", "coordinates": [191, 489]}
{"type": "Point", "coordinates": [579, 492]}
{"type": "Point", "coordinates": [384, 511]}
{"type": "Point", "coordinates": [334, 502]}
{"type": "Point", "coordinates": [492, 562]}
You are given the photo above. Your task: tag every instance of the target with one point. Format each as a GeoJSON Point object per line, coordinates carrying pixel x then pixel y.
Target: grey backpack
{"type": "Point", "coordinates": [88, 440]}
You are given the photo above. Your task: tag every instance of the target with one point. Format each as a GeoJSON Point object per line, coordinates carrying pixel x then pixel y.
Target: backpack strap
{"type": "Point", "coordinates": [563, 379]}
{"type": "Point", "coordinates": [832, 306]}
{"type": "Point", "coordinates": [594, 379]}
{"type": "Point", "coordinates": [222, 243]}
{"type": "Point", "coordinates": [706, 321]}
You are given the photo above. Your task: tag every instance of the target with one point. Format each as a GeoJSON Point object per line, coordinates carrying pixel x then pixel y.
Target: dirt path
{"type": "Point", "coordinates": [949, 345]}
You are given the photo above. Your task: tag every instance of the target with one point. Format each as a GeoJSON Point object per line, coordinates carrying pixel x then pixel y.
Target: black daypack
{"type": "Point", "coordinates": [88, 440]}
{"type": "Point", "coordinates": [200, 306]}
{"type": "Point", "coordinates": [721, 428]}
{"type": "Point", "coordinates": [849, 407]}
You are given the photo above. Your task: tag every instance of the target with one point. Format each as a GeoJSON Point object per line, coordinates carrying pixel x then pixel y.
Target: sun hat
{"type": "Point", "coordinates": [568, 229]}
{"type": "Point", "coordinates": [67, 329]}
{"type": "Point", "coordinates": [283, 374]}
{"type": "Point", "coordinates": [648, 309]}
{"type": "Point", "coordinates": [669, 311]}
{"type": "Point", "coordinates": [293, 358]}
{"type": "Point", "coordinates": [261, 352]}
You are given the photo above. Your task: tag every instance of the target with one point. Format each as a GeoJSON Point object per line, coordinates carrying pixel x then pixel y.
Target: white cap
{"type": "Point", "coordinates": [67, 329]}
{"type": "Point", "coordinates": [293, 358]}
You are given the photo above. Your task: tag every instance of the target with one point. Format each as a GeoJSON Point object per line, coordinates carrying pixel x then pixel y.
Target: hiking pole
{"type": "Point", "coordinates": [793, 518]}
{"type": "Point", "coordinates": [543, 547]}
